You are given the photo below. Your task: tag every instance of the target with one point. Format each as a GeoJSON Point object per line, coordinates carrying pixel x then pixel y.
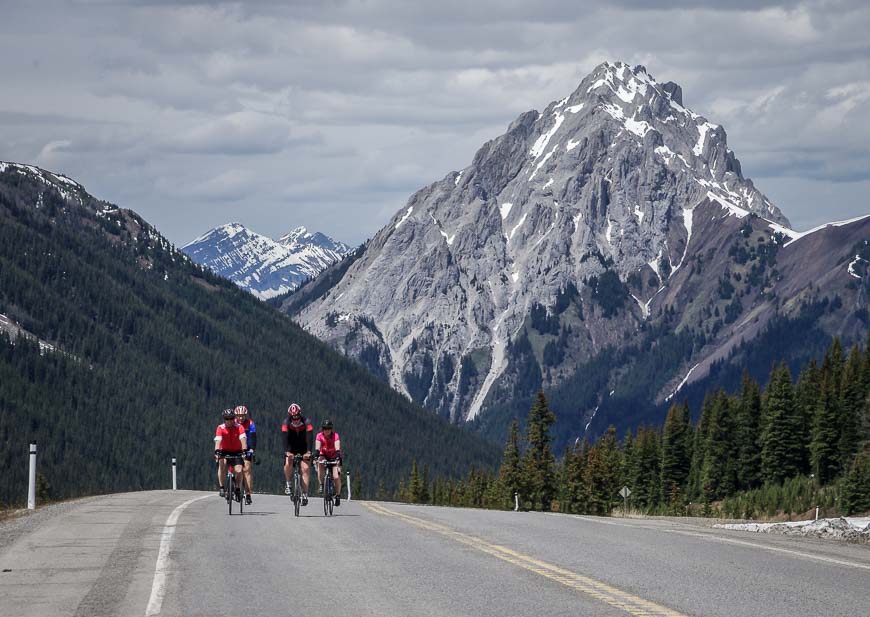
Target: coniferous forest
{"type": "Point", "coordinates": [124, 353]}
{"type": "Point", "coordinates": [780, 450]}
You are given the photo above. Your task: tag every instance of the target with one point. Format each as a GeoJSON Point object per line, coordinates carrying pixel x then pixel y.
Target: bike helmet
{"type": "Point", "coordinates": [326, 424]}
{"type": "Point", "coordinates": [241, 410]}
{"type": "Point", "coordinates": [294, 410]}
{"type": "Point", "coordinates": [229, 414]}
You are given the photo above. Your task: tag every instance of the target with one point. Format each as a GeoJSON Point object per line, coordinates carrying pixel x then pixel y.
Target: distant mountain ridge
{"type": "Point", "coordinates": [260, 265]}
{"type": "Point", "coordinates": [615, 224]}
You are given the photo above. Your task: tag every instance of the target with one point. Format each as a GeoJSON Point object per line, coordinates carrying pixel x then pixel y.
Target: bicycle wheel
{"type": "Point", "coordinates": [229, 487]}
{"type": "Point", "coordinates": [323, 491]}
{"type": "Point", "coordinates": [297, 492]}
{"type": "Point", "coordinates": [331, 492]}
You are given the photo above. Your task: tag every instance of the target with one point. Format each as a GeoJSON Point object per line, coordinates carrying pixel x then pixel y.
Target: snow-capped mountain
{"type": "Point", "coordinates": [261, 265]}
{"type": "Point", "coordinates": [615, 212]}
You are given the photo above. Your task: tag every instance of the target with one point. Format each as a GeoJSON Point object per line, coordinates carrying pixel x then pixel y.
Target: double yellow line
{"type": "Point", "coordinates": [631, 604]}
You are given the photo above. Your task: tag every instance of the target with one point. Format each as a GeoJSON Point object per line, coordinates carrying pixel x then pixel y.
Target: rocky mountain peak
{"type": "Point", "coordinates": [607, 193]}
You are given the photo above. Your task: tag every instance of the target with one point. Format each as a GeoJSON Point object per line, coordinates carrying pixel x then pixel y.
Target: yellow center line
{"type": "Point", "coordinates": [603, 592]}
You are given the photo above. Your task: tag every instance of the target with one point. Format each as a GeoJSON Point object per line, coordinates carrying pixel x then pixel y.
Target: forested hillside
{"type": "Point", "coordinates": [118, 353]}
{"type": "Point", "coordinates": [783, 449]}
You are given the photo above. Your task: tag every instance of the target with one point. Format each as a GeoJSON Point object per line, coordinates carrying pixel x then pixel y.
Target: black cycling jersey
{"type": "Point", "coordinates": [296, 434]}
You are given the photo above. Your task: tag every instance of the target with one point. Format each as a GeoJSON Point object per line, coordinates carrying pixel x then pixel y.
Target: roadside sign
{"type": "Point", "coordinates": [625, 492]}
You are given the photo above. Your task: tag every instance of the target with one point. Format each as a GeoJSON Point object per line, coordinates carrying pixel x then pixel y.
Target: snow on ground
{"type": "Point", "coordinates": [852, 528]}
{"type": "Point", "coordinates": [541, 144]}
{"type": "Point", "coordinates": [405, 218]}
{"type": "Point", "coordinates": [798, 235]}
{"type": "Point", "coordinates": [682, 383]}
{"type": "Point", "coordinates": [505, 209]}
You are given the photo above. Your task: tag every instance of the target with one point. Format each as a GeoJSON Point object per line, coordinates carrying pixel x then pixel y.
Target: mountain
{"type": "Point", "coordinates": [608, 248]}
{"type": "Point", "coordinates": [260, 265]}
{"type": "Point", "coordinates": [118, 352]}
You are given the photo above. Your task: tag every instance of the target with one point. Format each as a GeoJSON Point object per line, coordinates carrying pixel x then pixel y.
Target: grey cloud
{"type": "Point", "coordinates": [337, 111]}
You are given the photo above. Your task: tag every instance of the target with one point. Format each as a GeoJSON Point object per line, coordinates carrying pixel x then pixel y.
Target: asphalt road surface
{"type": "Point", "coordinates": [179, 553]}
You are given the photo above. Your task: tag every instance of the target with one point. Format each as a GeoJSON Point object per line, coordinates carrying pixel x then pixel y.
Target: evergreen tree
{"type": "Point", "coordinates": [747, 432]}
{"type": "Point", "coordinates": [676, 457]}
{"type": "Point", "coordinates": [538, 461]}
{"type": "Point", "coordinates": [602, 474]}
{"type": "Point", "coordinates": [718, 471]}
{"type": "Point", "coordinates": [699, 448]}
{"type": "Point", "coordinates": [856, 487]}
{"type": "Point", "coordinates": [851, 402]}
{"type": "Point", "coordinates": [807, 393]}
{"type": "Point", "coordinates": [825, 447]}
{"type": "Point", "coordinates": [781, 434]}
{"type": "Point", "coordinates": [509, 474]}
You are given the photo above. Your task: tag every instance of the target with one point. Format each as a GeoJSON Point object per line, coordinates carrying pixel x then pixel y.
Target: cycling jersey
{"type": "Point", "coordinates": [295, 434]}
{"type": "Point", "coordinates": [231, 438]}
{"type": "Point", "coordinates": [327, 444]}
{"type": "Point", "coordinates": [251, 432]}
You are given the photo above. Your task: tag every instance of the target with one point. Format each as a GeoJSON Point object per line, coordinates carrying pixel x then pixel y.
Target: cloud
{"type": "Point", "coordinates": [337, 111]}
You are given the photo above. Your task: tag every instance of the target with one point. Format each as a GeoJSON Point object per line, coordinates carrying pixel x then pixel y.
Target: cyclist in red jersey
{"type": "Point", "coordinates": [327, 446]}
{"type": "Point", "coordinates": [231, 442]}
{"type": "Point", "coordinates": [296, 429]}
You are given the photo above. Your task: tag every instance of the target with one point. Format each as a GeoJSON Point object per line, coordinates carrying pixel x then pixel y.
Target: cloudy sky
{"type": "Point", "coordinates": [330, 113]}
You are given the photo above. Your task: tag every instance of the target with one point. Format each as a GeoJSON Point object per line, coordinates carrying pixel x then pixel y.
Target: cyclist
{"type": "Point", "coordinates": [295, 430]}
{"type": "Point", "coordinates": [327, 447]}
{"type": "Point", "coordinates": [229, 444]}
{"type": "Point", "coordinates": [250, 427]}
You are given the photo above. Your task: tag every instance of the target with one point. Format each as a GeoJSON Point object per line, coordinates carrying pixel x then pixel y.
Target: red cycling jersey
{"type": "Point", "coordinates": [230, 437]}
{"type": "Point", "coordinates": [327, 444]}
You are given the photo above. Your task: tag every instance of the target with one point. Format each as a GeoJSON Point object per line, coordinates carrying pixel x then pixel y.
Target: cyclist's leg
{"type": "Point", "coordinates": [305, 469]}
{"type": "Point", "coordinates": [249, 474]}
{"type": "Point", "coordinates": [319, 474]}
{"type": "Point", "coordinates": [222, 472]}
{"type": "Point", "coordinates": [336, 474]}
{"type": "Point", "coordinates": [238, 473]}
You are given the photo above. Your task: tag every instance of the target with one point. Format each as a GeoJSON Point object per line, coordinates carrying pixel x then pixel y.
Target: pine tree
{"type": "Point", "coordinates": [698, 448]}
{"type": "Point", "coordinates": [856, 486]}
{"type": "Point", "coordinates": [780, 439]}
{"type": "Point", "coordinates": [851, 402]}
{"type": "Point", "coordinates": [602, 474]}
{"type": "Point", "coordinates": [825, 447]}
{"type": "Point", "coordinates": [747, 432]}
{"type": "Point", "coordinates": [538, 461]}
{"type": "Point", "coordinates": [807, 393]}
{"type": "Point", "coordinates": [718, 471]}
{"type": "Point", "coordinates": [509, 474]}
{"type": "Point", "coordinates": [676, 460]}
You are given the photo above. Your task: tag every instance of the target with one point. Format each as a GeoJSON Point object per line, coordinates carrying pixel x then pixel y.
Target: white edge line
{"type": "Point", "coordinates": [158, 587]}
{"type": "Point", "coordinates": [839, 562]}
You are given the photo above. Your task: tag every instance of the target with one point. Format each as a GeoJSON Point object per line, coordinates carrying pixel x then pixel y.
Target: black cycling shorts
{"type": "Point", "coordinates": [235, 458]}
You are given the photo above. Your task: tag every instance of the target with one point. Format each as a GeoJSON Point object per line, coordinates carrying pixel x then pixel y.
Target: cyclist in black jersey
{"type": "Point", "coordinates": [297, 430]}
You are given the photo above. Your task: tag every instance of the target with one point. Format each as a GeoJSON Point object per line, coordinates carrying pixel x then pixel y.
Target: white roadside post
{"type": "Point", "coordinates": [516, 502]}
{"type": "Point", "coordinates": [31, 484]}
{"type": "Point", "coordinates": [348, 485]}
{"type": "Point", "coordinates": [174, 483]}
{"type": "Point", "coordinates": [817, 512]}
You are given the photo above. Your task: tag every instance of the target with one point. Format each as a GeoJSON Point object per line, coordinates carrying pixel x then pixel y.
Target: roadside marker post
{"type": "Point", "coordinates": [625, 492]}
{"type": "Point", "coordinates": [31, 484]}
{"type": "Point", "coordinates": [348, 485]}
{"type": "Point", "coordinates": [516, 502]}
{"type": "Point", "coordinates": [174, 482]}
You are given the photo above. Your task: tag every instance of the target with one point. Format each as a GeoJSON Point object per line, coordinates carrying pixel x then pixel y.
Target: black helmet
{"type": "Point", "coordinates": [229, 414]}
{"type": "Point", "coordinates": [326, 424]}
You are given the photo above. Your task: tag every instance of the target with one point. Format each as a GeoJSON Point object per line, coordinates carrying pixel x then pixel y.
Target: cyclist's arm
{"type": "Point", "coordinates": [309, 433]}
{"type": "Point", "coordinates": [253, 444]}
{"type": "Point", "coordinates": [286, 436]}
{"type": "Point", "coordinates": [243, 437]}
{"type": "Point", "coordinates": [217, 439]}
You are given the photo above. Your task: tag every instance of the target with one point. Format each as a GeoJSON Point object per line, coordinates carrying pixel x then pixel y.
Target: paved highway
{"type": "Point", "coordinates": [178, 553]}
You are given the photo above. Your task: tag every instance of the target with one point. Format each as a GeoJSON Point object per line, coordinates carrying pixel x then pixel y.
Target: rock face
{"type": "Point", "coordinates": [260, 265]}
{"type": "Point", "coordinates": [569, 235]}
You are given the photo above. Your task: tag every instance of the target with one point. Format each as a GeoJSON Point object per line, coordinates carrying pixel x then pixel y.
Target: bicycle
{"type": "Point", "coordinates": [234, 492]}
{"type": "Point", "coordinates": [327, 487]}
{"type": "Point", "coordinates": [296, 483]}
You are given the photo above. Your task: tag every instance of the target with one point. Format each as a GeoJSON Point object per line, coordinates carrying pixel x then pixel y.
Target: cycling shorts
{"type": "Point", "coordinates": [235, 458]}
